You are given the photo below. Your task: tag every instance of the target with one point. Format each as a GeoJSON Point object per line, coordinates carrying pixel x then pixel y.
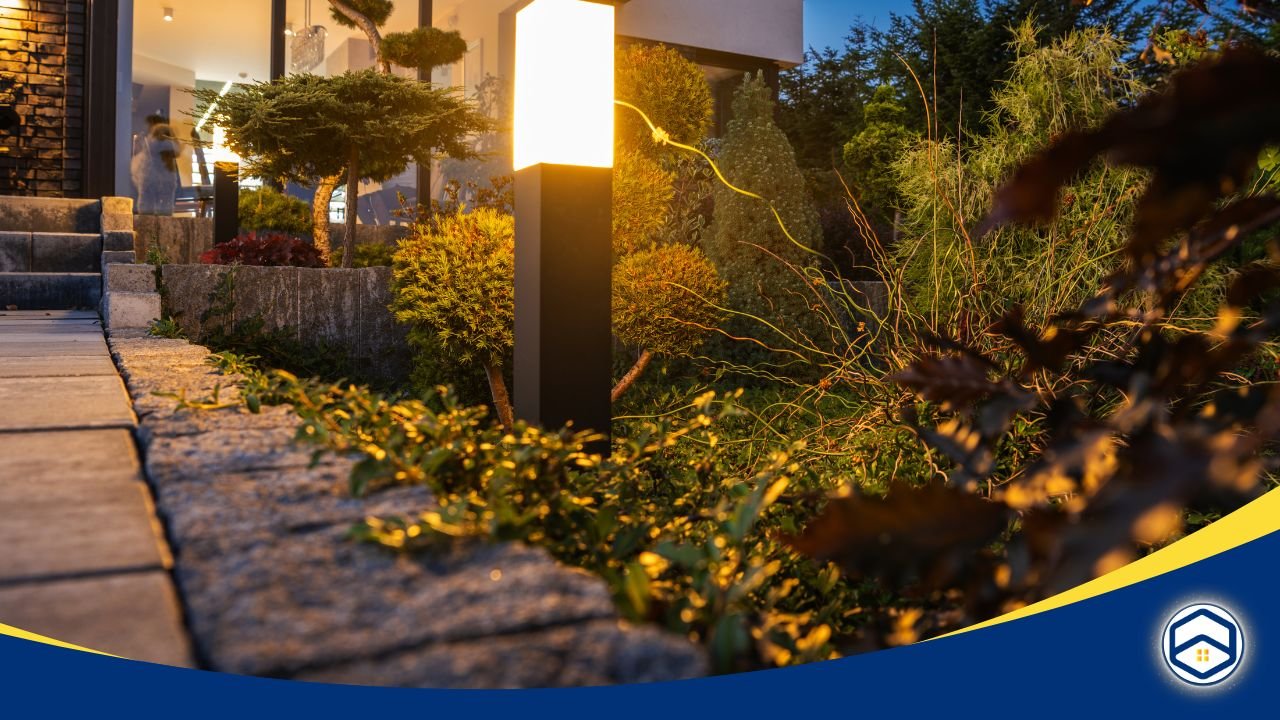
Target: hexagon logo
{"type": "Point", "coordinates": [1203, 644]}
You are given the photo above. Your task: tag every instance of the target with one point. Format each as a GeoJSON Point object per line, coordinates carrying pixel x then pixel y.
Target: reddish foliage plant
{"type": "Point", "coordinates": [268, 249]}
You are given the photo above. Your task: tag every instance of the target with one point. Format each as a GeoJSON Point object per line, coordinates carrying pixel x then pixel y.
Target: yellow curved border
{"type": "Point", "coordinates": [25, 635]}
{"type": "Point", "coordinates": [1257, 519]}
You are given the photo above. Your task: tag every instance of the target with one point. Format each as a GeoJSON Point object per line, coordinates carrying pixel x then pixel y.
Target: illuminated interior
{"type": "Point", "coordinates": [566, 118]}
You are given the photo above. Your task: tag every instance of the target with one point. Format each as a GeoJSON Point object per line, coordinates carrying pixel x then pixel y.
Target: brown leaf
{"type": "Point", "coordinates": [928, 535]}
{"type": "Point", "coordinates": [1049, 350]}
{"type": "Point", "coordinates": [956, 381]}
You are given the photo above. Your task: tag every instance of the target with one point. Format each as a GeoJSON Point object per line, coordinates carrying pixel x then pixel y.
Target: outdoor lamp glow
{"type": "Point", "coordinates": [564, 84]}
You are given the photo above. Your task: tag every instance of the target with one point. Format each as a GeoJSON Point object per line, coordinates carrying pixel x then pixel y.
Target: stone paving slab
{"type": "Point", "coordinates": [16, 326]}
{"type": "Point", "coordinates": [71, 345]}
{"type": "Point", "coordinates": [45, 315]}
{"type": "Point", "coordinates": [60, 366]}
{"type": "Point", "coordinates": [133, 615]}
{"type": "Point", "coordinates": [100, 457]}
{"type": "Point", "coordinates": [73, 503]}
{"type": "Point", "coordinates": [44, 403]}
{"type": "Point", "coordinates": [56, 529]}
{"type": "Point", "coordinates": [52, 332]}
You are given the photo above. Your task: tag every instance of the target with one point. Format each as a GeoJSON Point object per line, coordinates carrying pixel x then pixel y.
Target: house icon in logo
{"type": "Point", "coordinates": [1203, 644]}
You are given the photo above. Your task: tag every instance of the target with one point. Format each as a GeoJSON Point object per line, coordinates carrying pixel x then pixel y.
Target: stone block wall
{"type": "Point", "coordinates": [42, 77]}
{"type": "Point", "coordinates": [328, 307]}
{"type": "Point", "coordinates": [181, 239]}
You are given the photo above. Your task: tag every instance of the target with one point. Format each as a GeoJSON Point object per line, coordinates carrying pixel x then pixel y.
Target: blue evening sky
{"type": "Point", "coordinates": [826, 22]}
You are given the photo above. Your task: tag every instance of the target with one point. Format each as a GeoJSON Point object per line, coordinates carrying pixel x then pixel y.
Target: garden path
{"type": "Point", "coordinates": [83, 556]}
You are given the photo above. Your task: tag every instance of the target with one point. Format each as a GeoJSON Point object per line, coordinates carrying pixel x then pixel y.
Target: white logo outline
{"type": "Point", "coordinates": [1221, 638]}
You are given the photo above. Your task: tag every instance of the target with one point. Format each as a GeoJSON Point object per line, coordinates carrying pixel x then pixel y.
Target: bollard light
{"type": "Point", "coordinates": [563, 157]}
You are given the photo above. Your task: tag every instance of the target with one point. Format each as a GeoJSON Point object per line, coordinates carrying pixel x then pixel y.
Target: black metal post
{"type": "Point", "coordinates": [226, 202]}
{"type": "Point", "coordinates": [424, 75]}
{"type": "Point", "coordinates": [99, 121]}
{"type": "Point", "coordinates": [278, 12]}
{"type": "Point", "coordinates": [564, 265]}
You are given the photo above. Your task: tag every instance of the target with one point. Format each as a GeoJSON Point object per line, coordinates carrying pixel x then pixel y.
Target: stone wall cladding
{"type": "Point", "coordinates": [330, 306]}
{"type": "Point", "coordinates": [273, 586]}
{"type": "Point", "coordinates": [42, 76]}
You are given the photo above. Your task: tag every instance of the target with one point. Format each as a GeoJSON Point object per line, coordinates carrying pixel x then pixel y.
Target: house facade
{"type": "Point", "coordinates": [83, 75]}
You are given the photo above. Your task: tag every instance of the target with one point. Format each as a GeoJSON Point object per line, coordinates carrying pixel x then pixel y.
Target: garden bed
{"type": "Point", "coordinates": [274, 586]}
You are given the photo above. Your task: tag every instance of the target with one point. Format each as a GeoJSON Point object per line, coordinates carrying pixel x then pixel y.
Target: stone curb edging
{"type": "Point", "coordinates": [272, 586]}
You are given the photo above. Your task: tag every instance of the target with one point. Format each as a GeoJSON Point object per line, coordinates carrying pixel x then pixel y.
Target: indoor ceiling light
{"type": "Point", "coordinates": [168, 14]}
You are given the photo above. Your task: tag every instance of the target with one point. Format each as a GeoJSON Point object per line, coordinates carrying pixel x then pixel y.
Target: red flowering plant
{"type": "Point", "coordinates": [269, 249]}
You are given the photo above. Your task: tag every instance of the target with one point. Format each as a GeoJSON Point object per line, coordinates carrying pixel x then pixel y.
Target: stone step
{"type": "Point", "coordinates": [130, 310]}
{"type": "Point", "coordinates": [50, 290]}
{"type": "Point", "coordinates": [50, 252]}
{"type": "Point", "coordinates": [51, 215]}
{"type": "Point", "coordinates": [66, 252]}
{"type": "Point", "coordinates": [124, 257]}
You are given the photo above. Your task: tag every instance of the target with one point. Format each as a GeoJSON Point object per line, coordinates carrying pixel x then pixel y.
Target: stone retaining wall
{"type": "Point", "coordinates": [321, 307]}
{"type": "Point", "coordinates": [272, 586]}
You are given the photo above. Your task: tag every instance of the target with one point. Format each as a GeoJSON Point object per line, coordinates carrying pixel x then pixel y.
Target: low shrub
{"type": "Point", "coordinates": [367, 256]}
{"type": "Point", "coordinates": [268, 249]}
{"type": "Point", "coordinates": [453, 284]}
{"type": "Point", "coordinates": [665, 302]}
{"type": "Point", "coordinates": [267, 209]}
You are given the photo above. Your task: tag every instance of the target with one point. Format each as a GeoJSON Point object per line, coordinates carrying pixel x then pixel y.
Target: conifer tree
{"type": "Point", "coordinates": [745, 243]}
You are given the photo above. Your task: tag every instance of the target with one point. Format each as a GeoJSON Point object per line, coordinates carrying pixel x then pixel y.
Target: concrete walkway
{"type": "Point", "coordinates": [82, 556]}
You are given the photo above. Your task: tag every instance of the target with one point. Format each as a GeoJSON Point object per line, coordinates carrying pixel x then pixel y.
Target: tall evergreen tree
{"type": "Point", "coordinates": [821, 101]}
{"type": "Point", "coordinates": [961, 51]}
{"type": "Point", "coordinates": [746, 243]}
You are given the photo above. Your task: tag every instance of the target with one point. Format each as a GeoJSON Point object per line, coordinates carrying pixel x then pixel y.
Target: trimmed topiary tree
{"type": "Point", "coordinates": [745, 242]}
{"type": "Point", "coordinates": [665, 302]}
{"type": "Point", "coordinates": [420, 48]}
{"type": "Point", "coordinates": [366, 124]}
{"type": "Point", "coordinates": [453, 285]}
{"type": "Point", "coordinates": [669, 88]}
{"type": "Point", "coordinates": [642, 195]}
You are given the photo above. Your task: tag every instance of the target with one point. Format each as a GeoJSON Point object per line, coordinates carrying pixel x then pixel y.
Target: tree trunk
{"type": "Point", "coordinates": [320, 214]}
{"type": "Point", "coordinates": [353, 209]}
{"type": "Point", "coordinates": [368, 28]}
{"type": "Point", "coordinates": [632, 375]}
{"type": "Point", "coordinates": [501, 400]}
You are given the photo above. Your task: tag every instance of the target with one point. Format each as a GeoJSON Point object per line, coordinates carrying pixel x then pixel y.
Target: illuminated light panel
{"type": "Point", "coordinates": [564, 110]}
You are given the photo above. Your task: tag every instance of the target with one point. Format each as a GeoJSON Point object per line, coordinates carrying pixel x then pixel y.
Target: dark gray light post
{"type": "Point", "coordinates": [563, 145]}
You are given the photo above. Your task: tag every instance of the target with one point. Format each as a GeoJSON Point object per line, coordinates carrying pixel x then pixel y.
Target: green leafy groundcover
{"type": "Point", "coordinates": [680, 539]}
